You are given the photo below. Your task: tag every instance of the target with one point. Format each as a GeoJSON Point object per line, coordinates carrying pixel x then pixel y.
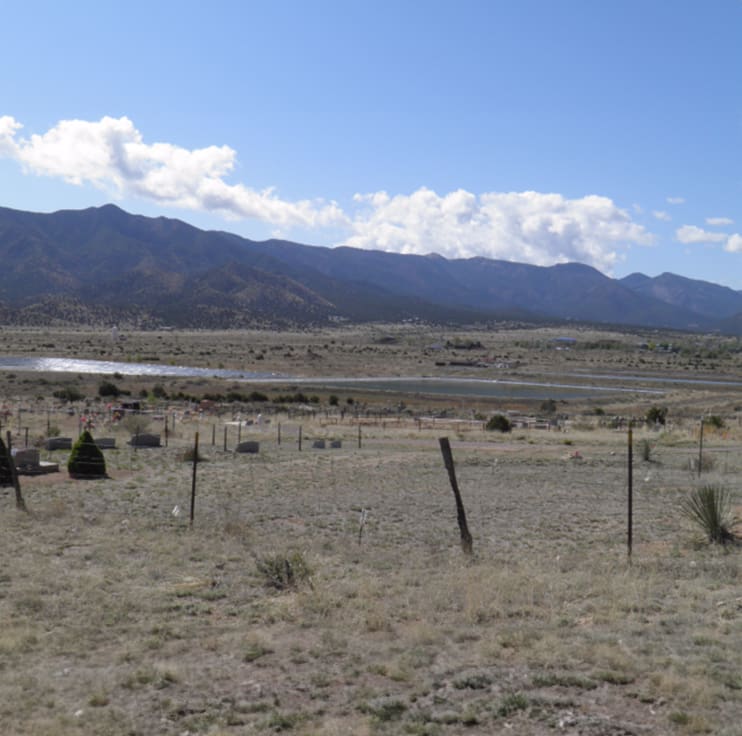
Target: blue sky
{"type": "Point", "coordinates": [537, 131]}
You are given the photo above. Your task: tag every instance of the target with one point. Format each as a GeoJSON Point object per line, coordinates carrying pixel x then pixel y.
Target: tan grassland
{"type": "Point", "coordinates": [117, 617]}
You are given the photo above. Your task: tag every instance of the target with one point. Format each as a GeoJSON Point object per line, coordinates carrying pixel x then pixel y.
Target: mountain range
{"type": "Point", "coordinates": [104, 264]}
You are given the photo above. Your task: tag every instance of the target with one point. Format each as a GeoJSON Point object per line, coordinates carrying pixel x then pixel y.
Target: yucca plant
{"type": "Point", "coordinates": [710, 508]}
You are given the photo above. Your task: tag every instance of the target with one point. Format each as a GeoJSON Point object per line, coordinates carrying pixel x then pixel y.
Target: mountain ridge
{"type": "Point", "coordinates": [172, 272]}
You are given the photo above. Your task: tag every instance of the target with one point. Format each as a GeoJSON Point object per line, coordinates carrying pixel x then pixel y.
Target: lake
{"type": "Point", "coordinates": [469, 387]}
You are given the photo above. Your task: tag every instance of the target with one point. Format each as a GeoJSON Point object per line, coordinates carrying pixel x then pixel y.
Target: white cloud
{"type": "Point", "coordinates": [693, 234]}
{"type": "Point", "coordinates": [661, 215]}
{"type": "Point", "coordinates": [111, 155]}
{"type": "Point", "coordinates": [531, 227]}
{"type": "Point", "coordinates": [734, 243]}
{"type": "Point", "coordinates": [690, 234]}
{"type": "Point", "coordinates": [520, 226]}
{"type": "Point", "coordinates": [719, 221]}
{"type": "Point", "coordinates": [675, 200]}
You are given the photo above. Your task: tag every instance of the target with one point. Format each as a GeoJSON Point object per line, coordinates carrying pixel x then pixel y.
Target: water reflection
{"type": "Point", "coordinates": [77, 365]}
{"type": "Point", "coordinates": [497, 388]}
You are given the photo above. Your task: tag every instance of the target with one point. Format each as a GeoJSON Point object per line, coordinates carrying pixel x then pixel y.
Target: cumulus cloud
{"type": "Point", "coordinates": [734, 244]}
{"type": "Point", "coordinates": [521, 226]}
{"type": "Point", "coordinates": [675, 200]}
{"type": "Point", "coordinates": [531, 227]}
{"type": "Point", "coordinates": [111, 154]}
{"type": "Point", "coordinates": [719, 221]}
{"type": "Point", "coordinates": [692, 234]}
{"type": "Point", "coordinates": [661, 215]}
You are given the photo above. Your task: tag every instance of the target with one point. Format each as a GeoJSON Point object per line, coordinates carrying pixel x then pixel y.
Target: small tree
{"type": "Point", "coordinates": [549, 406]}
{"type": "Point", "coordinates": [136, 423]}
{"type": "Point", "coordinates": [657, 415]}
{"type": "Point", "coordinates": [715, 421]}
{"type": "Point", "coordinates": [499, 423]}
{"type": "Point", "coordinates": [107, 388]}
{"type": "Point", "coordinates": [86, 459]}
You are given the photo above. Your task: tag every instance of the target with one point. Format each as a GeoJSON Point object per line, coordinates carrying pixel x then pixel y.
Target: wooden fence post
{"type": "Point", "coordinates": [193, 481]}
{"type": "Point", "coordinates": [700, 450]}
{"type": "Point", "coordinates": [630, 519]}
{"type": "Point", "coordinates": [466, 539]}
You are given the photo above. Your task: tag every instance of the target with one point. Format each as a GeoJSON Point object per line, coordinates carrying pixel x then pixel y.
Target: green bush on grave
{"type": "Point", "coordinates": [86, 459]}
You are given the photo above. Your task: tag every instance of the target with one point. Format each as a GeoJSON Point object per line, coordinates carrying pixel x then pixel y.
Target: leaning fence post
{"type": "Point", "coordinates": [193, 481]}
{"type": "Point", "coordinates": [466, 540]}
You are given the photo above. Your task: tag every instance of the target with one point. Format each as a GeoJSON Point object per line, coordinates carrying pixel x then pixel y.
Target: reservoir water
{"type": "Point", "coordinates": [472, 387]}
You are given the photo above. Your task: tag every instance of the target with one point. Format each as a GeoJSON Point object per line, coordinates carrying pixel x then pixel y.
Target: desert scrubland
{"type": "Point", "coordinates": [324, 591]}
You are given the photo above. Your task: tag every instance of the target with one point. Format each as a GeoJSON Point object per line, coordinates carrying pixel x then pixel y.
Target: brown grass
{"type": "Point", "coordinates": [117, 618]}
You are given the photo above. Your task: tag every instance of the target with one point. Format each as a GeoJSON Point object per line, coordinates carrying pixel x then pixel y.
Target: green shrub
{"type": "Point", "coordinates": [710, 508]}
{"type": "Point", "coordinates": [714, 421]}
{"type": "Point", "coordinates": [511, 704]}
{"type": "Point", "coordinates": [70, 393]}
{"type": "Point", "coordinates": [106, 388]}
{"type": "Point", "coordinates": [657, 415]}
{"type": "Point", "coordinates": [499, 423]}
{"type": "Point", "coordinates": [549, 406]}
{"type": "Point", "coordinates": [158, 391]}
{"type": "Point", "coordinates": [283, 571]}
{"type": "Point", "coordinates": [86, 459]}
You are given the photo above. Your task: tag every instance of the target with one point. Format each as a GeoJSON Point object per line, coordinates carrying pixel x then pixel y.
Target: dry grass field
{"type": "Point", "coordinates": [279, 612]}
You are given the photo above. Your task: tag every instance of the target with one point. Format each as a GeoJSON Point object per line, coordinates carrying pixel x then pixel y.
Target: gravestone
{"type": "Point", "coordinates": [106, 443]}
{"type": "Point", "coordinates": [336, 444]}
{"type": "Point", "coordinates": [145, 440]}
{"type": "Point", "coordinates": [58, 443]}
{"type": "Point", "coordinates": [27, 459]}
{"type": "Point", "coordinates": [318, 444]}
{"type": "Point", "coordinates": [250, 447]}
